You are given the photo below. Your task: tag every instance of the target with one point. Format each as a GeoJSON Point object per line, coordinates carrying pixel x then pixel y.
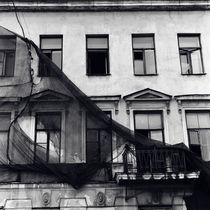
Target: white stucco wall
{"type": "Point", "coordinates": [119, 26]}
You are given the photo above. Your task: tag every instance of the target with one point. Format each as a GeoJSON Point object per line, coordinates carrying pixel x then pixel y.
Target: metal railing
{"type": "Point", "coordinates": [155, 160]}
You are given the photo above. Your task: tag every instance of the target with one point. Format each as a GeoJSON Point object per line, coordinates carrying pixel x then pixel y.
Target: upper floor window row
{"type": "Point", "coordinates": [97, 54]}
{"type": "Point", "coordinates": [144, 55]}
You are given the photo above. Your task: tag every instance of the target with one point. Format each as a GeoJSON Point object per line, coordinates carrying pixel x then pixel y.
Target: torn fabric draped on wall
{"type": "Point", "coordinates": [58, 131]}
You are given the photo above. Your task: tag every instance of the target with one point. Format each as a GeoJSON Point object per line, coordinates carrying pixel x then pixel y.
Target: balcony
{"type": "Point", "coordinates": [167, 163]}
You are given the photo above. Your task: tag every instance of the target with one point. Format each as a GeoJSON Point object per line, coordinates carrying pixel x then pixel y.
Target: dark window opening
{"type": "Point", "coordinates": [51, 46]}
{"type": "Point", "coordinates": [97, 55]}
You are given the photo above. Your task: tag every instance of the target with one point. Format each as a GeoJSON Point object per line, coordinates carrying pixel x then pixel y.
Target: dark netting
{"type": "Point", "coordinates": [34, 144]}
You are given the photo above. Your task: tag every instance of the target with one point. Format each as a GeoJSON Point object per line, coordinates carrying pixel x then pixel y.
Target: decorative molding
{"type": "Point", "coordinates": [78, 202]}
{"type": "Point", "coordinates": [49, 95]}
{"type": "Point", "coordinates": [111, 99]}
{"type": "Point", "coordinates": [46, 199]}
{"type": "Point", "coordinates": [100, 199]}
{"type": "Point", "coordinates": [190, 98]}
{"type": "Point", "coordinates": [104, 5]}
{"type": "Point", "coordinates": [22, 204]}
{"type": "Point", "coordinates": [147, 95]}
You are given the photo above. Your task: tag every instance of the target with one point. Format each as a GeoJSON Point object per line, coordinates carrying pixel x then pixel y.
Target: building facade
{"type": "Point", "coordinates": [143, 63]}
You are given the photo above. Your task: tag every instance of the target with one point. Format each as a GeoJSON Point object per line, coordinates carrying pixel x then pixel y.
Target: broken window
{"type": "Point", "coordinates": [149, 125]}
{"type": "Point", "coordinates": [48, 136]}
{"type": "Point", "coordinates": [5, 120]}
{"type": "Point", "coordinates": [7, 55]}
{"type": "Point", "coordinates": [97, 55]}
{"type": "Point", "coordinates": [198, 127]}
{"type": "Point", "coordinates": [51, 46]}
{"type": "Point", "coordinates": [190, 54]}
{"type": "Point", "coordinates": [144, 55]}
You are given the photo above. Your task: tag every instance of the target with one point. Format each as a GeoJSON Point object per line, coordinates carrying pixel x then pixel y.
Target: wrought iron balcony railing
{"type": "Point", "coordinates": [156, 160]}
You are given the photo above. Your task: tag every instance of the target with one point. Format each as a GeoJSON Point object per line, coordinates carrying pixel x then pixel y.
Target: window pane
{"type": "Point", "coordinates": [157, 135]}
{"type": "Point", "coordinates": [97, 43]}
{"type": "Point", "coordinates": [143, 42]}
{"type": "Point", "coordinates": [54, 147]}
{"type": "Point", "coordinates": [3, 147]}
{"type": "Point", "coordinates": [203, 120]}
{"type": "Point", "coordinates": [141, 121]}
{"type": "Point", "coordinates": [9, 64]}
{"type": "Point", "coordinates": [92, 136]}
{"type": "Point", "coordinates": [41, 137]}
{"type": "Point", "coordinates": [155, 121]}
{"type": "Point", "coordinates": [150, 61]}
{"type": "Point", "coordinates": [196, 62]}
{"type": "Point", "coordinates": [5, 120]}
{"type": "Point", "coordinates": [105, 146]}
{"type": "Point", "coordinates": [49, 121]}
{"type": "Point", "coordinates": [51, 43]}
{"type": "Point", "coordinates": [205, 144]}
{"type": "Point", "coordinates": [56, 58]}
{"type": "Point", "coordinates": [192, 120]}
{"type": "Point", "coordinates": [189, 42]}
{"type": "Point", "coordinates": [7, 43]}
{"type": "Point", "coordinates": [138, 62]}
{"type": "Point", "coordinates": [2, 57]}
{"type": "Point", "coordinates": [185, 63]}
{"type": "Point", "coordinates": [194, 137]}
{"type": "Point", "coordinates": [92, 152]}
{"type": "Point", "coordinates": [97, 63]}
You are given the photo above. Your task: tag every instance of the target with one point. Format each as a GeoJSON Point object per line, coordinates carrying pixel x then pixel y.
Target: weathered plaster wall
{"type": "Point", "coordinates": [120, 26]}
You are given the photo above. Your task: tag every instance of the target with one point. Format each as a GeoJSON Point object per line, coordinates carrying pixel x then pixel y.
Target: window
{"type": "Point", "coordinates": [190, 54]}
{"type": "Point", "coordinates": [198, 127]}
{"type": "Point", "coordinates": [149, 124]}
{"type": "Point", "coordinates": [5, 119]}
{"type": "Point", "coordinates": [144, 55]}
{"type": "Point", "coordinates": [48, 136]}
{"type": "Point", "coordinates": [51, 46]}
{"type": "Point", "coordinates": [98, 144]}
{"type": "Point", "coordinates": [7, 55]}
{"type": "Point", "coordinates": [97, 55]}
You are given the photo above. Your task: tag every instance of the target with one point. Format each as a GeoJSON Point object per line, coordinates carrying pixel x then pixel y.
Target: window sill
{"type": "Point", "coordinates": [98, 75]}
{"type": "Point", "coordinates": [145, 74]}
{"type": "Point", "coordinates": [194, 74]}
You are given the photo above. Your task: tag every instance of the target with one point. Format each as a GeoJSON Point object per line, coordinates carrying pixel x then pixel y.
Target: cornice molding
{"type": "Point", "coordinates": [103, 5]}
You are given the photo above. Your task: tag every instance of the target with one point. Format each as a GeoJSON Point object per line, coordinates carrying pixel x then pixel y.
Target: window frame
{"type": "Point", "coordinates": [50, 36]}
{"type": "Point", "coordinates": [188, 53]}
{"type": "Point", "coordinates": [88, 72]}
{"type": "Point", "coordinates": [195, 129]}
{"type": "Point", "coordinates": [37, 130]}
{"type": "Point", "coordinates": [99, 130]}
{"type": "Point", "coordinates": [149, 130]}
{"type": "Point", "coordinates": [143, 50]}
{"type": "Point", "coordinates": [5, 51]}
